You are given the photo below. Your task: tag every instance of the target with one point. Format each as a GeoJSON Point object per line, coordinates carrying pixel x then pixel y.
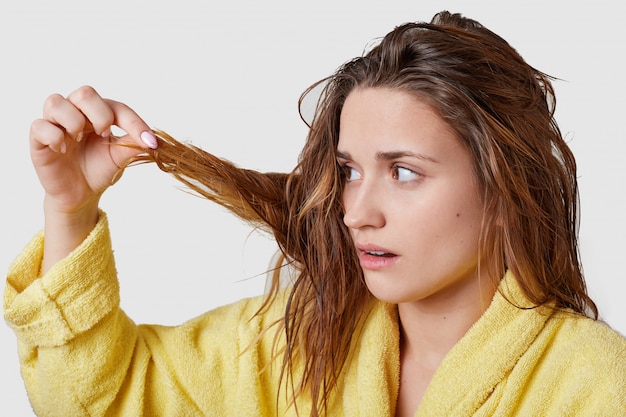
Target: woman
{"type": "Point", "coordinates": [431, 222]}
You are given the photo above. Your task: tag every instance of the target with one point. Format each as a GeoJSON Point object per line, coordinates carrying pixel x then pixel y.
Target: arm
{"type": "Point", "coordinates": [68, 326]}
{"type": "Point", "coordinates": [82, 356]}
{"type": "Point", "coordinates": [77, 159]}
{"type": "Point", "coordinates": [51, 297]}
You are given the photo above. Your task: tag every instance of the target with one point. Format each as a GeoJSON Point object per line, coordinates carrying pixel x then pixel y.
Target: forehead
{"type": "Point", "coordinates": [386, 118]}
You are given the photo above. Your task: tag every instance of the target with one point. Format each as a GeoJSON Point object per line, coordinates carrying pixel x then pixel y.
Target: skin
{"type": "Point", "coordinates": [75, 161]}
{"type": "Point", "coordinates": [414, 211]}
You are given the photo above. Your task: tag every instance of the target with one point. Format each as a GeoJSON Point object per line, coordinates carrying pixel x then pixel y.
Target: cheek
{"type": "Point", "coordinates": [465, 202]}
{"type": "Point", "coordinates": [446, 216]}
{"type": "Point", "coordinates": [468, 220]}
{"type": "Point", "coordinates": [347, 196]}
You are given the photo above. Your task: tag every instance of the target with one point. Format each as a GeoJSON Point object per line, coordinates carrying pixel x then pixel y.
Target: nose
{"type": "Point", "coordinates": [362, 206]}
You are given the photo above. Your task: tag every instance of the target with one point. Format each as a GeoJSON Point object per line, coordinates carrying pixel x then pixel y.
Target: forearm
{"type": "Point", "coordinates": [71, 332]}
{"type": "Point", "coordinates": [85, 376]}
{"type": "Point", "coordinates": [64, 232]}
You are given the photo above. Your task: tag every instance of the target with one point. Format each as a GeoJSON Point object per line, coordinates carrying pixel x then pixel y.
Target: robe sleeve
{"type": "Point", "coordinates": [80, 355]}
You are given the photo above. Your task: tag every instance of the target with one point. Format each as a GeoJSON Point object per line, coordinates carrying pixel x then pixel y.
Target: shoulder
{"type": "Point", "coordinates": [588, 360]}
{"type": "Point", "coordinates": [583, 344]}
{"type": "Point", "coordinates": [221, 335]}
{"type": "Point", "coordinates": [586, 336]}
{"type": "Point", "coordinates": [239, 323]}
{"type": "Point", "coordinates": [575, 366]}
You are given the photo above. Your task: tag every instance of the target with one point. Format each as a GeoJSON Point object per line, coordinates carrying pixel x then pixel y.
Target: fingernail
{"type": "Point", "coordinates": [63, 147]}
{"type": "Point", "coordinates": [149, 139]}
{"type": "Point", "coordinates": [79, 137]}
{"type": "Point", "coordinates": [106, 133]}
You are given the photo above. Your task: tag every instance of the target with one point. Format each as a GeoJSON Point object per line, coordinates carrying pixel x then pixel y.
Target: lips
{"type": "Point", "coordinates": [373, 249]}
{"type": "Point", "coordinates": [373, 257]}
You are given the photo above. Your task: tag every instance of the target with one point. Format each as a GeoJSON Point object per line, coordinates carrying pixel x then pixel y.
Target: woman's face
{"type": "Point", "coordinates": [411, 199]}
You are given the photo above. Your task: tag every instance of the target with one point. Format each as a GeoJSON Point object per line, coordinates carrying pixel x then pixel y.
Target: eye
{"type": "Point", "coordinates": [403, 174]}
{"type": "Point", "coordinates": [349, 173]}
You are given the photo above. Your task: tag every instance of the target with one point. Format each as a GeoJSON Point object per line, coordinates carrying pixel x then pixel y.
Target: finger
{"type": "Point", "coordinates": [60, 111]}
{"type": "Point", "coordinates": [94, 108]}
{"type": "Point", "coordinates": [44, 134]}
{"type": "Point", "coordinates": [126, 119]}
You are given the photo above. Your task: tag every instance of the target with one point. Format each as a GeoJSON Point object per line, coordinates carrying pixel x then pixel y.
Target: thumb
{"type": "Point", "coordinates": [123, 149]}
{"type": "Point", "coordinates": [138, 135]}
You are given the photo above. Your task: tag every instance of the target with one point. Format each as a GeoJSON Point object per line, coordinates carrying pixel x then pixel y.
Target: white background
{"type": "Point", "coordinates": [227, 76]}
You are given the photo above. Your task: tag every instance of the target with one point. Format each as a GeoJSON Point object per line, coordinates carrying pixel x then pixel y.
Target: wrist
{"type": "Point", "coordinates": [65, 230]}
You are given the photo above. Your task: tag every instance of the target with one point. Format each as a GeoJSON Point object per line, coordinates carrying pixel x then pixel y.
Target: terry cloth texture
{"type": "Point", "coordinates": [82, 356]}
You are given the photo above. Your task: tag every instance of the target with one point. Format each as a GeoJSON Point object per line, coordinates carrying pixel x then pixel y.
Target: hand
{"type": "Point", "coordinates": [77, 159]}
{"type": "Point", "coordinates": [72, 149]}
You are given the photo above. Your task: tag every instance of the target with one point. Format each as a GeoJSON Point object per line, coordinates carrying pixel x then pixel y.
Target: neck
{"type": "Point", "coordinates": [429, 328]}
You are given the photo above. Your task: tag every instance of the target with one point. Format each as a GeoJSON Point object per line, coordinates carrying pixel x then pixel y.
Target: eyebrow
{"type": "Point", "coordinates": [391, 155]}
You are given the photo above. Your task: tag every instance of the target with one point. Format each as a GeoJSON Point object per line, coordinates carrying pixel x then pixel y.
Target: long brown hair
{"type": "Point", "coordinates": [502, 110]}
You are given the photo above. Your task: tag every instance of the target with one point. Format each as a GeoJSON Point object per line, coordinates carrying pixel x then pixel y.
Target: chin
{"type": "Point", "coordinates": [390, 293]}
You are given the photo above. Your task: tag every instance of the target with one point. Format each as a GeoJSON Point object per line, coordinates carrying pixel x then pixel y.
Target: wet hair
{"type": "Point", "coordinates": [502, 110]}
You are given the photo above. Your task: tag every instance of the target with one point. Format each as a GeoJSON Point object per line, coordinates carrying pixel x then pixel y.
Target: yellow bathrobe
{"type": "Point", "coordinates": [82, 356]}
